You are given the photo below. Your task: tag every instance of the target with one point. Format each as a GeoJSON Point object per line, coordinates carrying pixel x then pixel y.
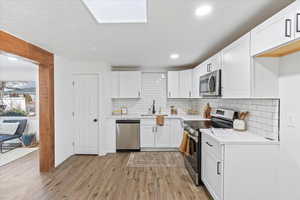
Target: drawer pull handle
{"type": "Point", "coordinates": [218, 168]}
{"type": "Point", "coordinates": [288, 25]}
{"type": "Point", "coordinates": [297, 23]}
{"type": "Point", "coordinates": [209, 144]}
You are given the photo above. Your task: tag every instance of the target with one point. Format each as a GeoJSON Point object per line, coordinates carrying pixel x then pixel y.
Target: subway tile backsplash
{"type": "Point", "coordinates": [182, 105]}
{"type": "Point", "coordinates": [154, 87]}
{"type": "Point", "coordinates": [263, 116]}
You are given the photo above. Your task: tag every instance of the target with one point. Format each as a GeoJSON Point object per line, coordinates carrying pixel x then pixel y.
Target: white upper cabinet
{"type": "Point", "coordinates": [185, 83]}
{"type": "Point", "coordinates": [274, 32]}
{"type": "Point", "coordinates": [197, 73]}
{"type": "Point", "coordinates": [180, 84]}
{"type": "Point", "coordinates": [130, 84]}
{"type": "Point", "coordinates": [297, 19]}
{"type": "Point", "coordinates": [212, 64]}
{"type": "Point", "coordinates": [126, 84]}
{"type": "Point", "coordinates": [236, 73]}
{"type": "Point", "coordinates": [173, 84]}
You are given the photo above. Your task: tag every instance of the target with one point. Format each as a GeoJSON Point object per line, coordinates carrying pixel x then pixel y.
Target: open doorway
{"type": "Point", "coordinates": [15, 47]}
{"type": "Point", "coordinates": [19, 113]}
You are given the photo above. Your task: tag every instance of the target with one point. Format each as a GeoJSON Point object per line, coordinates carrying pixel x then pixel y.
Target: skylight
{"type": "Point", "coordinates": [118, 11]}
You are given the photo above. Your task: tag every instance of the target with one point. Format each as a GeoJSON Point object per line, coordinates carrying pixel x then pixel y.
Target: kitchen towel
{"type": "Point", "coordinates": [184, 147]}
{"type": "Point", "coordinates": [160, 120]}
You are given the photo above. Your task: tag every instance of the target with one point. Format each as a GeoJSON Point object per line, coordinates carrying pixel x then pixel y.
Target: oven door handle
{"type": "Point", "coordinates": [193, 138]}
{"type": "Point", "coordinates": [209, 144]}
{"type": "Point", "coordinates": [208, 83]}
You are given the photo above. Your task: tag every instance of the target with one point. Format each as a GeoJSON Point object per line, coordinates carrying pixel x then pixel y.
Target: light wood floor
{"type": "Point", "coordinates": [93, 177]}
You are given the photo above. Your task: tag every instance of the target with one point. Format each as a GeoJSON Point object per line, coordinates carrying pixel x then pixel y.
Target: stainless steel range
{"type": "Point", "coordinates": [192, 160]}
{"type": "Point", "coordinates": [222, 118]}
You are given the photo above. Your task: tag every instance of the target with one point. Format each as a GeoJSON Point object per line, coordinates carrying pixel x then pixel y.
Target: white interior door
{"type": "Point", "coordinates": [86, 104]}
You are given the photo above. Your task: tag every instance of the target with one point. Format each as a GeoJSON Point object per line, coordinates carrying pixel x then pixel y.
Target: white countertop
{"type": "Point", "coordinates": [182, 117]}
{"type": "Point", "coordinates": [230, 136]}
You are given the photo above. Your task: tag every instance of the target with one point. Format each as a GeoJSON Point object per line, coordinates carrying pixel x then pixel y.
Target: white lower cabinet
{"type": "Point", "coordinates": [147, 136]}
{"type": "Point", "coordinates": [109, 136]}
{"type": "Point", "coordinates": [167, 136]}
{"type": "Point", "coordinates": [163, 136]}
{"type": "Point", "coordinates": [212, 172]}
{"type": "Point", "coordinates": [212, 178]}
{"type": "Point", "coordinates": [176, 131]}
{"type": "Point", "coordinates": [236, 171]}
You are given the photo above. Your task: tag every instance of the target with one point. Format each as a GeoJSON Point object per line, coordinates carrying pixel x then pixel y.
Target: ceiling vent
{"type": "Point", "coordinates": [118, 11]}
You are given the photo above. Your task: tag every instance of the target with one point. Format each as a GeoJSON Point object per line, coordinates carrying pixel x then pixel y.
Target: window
{"type": "Point", "coordinates": [17, 98]}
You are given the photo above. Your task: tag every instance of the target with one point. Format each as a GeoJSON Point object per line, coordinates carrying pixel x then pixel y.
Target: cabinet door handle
{"type": "Point", "coordinates": [209, 67]}
{"type": "Point", "coordinates": [139, 93]}
{"type": "Point", "coordinates": [190, 93]}
{"type": "Point", "coordinates": [169, 94]}
{"type": "Point", "coordinates": [288, 25]}
{"type": "Point", "coordinates": [218, 168]}
{"type": "Point", "coordinates": [297, 23]}
{"type": "Point", "coordinates": [152, 129]}
{"type": "Point", "coordinates": [209, 144]}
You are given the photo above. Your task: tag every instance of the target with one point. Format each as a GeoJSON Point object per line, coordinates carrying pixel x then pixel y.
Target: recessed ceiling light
{"type": "Point", "coordinates": [174, 56]}
{"type": "Point", "coordinates": [12, 58]}
{"type": "Point", "coordinates": [203, 10]}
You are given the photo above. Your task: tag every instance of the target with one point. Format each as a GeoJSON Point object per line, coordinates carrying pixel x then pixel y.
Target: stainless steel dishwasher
{"type": "Point", "coordinates": [128, 135]}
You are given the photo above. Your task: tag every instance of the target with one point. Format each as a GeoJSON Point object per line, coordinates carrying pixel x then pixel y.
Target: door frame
{"type": "Point", "coordinates": [99, 132]}
{"type": "Point", "coordinates": [16, 47]}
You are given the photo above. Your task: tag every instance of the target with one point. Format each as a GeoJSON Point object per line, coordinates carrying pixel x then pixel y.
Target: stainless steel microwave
{"type": "Point", "coordinates": [210, 84]}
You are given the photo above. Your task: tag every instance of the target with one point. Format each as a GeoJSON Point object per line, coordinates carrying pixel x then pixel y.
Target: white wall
{"type": "Point", "coordinates": [266, 73]}
{"type": "Point", "coordinates": [289, 94]}
{"type": "Point", "coordinates": [63, 70]}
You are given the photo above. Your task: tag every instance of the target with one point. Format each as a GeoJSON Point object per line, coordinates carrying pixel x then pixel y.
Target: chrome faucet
{"type": "Point", "coordinates": [153, 107]}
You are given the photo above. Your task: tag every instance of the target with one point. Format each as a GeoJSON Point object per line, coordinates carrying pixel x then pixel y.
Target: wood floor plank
{"type": "Point", "coordinates": [93, 177]}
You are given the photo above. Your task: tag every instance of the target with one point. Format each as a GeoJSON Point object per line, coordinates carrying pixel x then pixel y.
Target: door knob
{"type": "Point", "coordinates": [95, 120]}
